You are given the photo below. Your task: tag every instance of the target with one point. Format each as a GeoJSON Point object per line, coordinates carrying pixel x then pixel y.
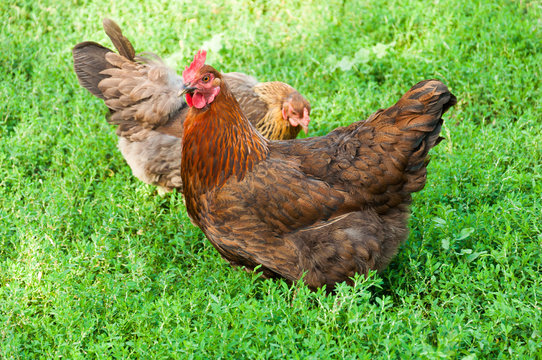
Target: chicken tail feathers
{"type": "Point", "coordinates": [122, 44]}
{"type": "Point", "coordinates": [89, 61]}
{"type": "Point", "coordinates": [416, 119]}
{"type": "Point", "coordinates": [420, 111]}
{"type": "Point", "coordinates": [420, 116]}
{"type": "Point", "coordinates": [410, 128]}
{"type": "Point", "coordinates": [89, 58]}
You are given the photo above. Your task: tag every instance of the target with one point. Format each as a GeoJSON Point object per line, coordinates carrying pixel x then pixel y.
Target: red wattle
{"type": "Point", "coordinates": [198, 100]}
{"type": "Point", "coordinates": [189, 100]}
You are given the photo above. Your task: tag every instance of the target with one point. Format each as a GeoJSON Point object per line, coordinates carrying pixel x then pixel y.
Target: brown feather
{"type": "Point", "coordinates": [122, 44]}
{"type": "Point", "coordinates": [88, 62]}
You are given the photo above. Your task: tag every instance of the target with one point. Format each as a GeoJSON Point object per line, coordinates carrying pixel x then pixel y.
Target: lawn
{"type": "Point", "coordinates": [96, 264]}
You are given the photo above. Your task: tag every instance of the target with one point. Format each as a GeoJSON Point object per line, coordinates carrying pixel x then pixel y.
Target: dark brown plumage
{"type": "Point", "coordinates": [143, 96]}
{"type": "Point", "coordinates": [329, 207]}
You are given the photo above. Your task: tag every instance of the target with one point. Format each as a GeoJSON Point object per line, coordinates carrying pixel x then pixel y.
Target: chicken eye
{"type": "Point", "coordinates": [205, 78]}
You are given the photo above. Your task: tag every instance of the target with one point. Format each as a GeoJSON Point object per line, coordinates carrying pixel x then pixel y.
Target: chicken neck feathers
{"type": "Point", "coordinates": [218, 143]}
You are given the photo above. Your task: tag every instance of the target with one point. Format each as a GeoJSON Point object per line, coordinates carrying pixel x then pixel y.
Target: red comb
{"type": "Point", "coordinates": [189, 72]}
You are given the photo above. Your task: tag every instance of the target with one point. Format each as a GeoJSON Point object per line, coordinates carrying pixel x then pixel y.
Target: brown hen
{"type": "Point", "coordinates": [143, 96]}
{"type": "Point", "coordinates": [322, 208]}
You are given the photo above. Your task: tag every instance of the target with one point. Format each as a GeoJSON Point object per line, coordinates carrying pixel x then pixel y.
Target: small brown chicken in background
{"type": "Point", "coordinates": [144, 99]}
{"type": "Point", "coordinates": [327, 207]}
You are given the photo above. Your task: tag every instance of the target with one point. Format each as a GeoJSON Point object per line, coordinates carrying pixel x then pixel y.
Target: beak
{"type": "Point", "coordinates": [187, 90]}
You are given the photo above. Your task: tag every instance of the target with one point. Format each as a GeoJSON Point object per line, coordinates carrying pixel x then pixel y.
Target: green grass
{"type": "Point", "coordinates": [94, 264]}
